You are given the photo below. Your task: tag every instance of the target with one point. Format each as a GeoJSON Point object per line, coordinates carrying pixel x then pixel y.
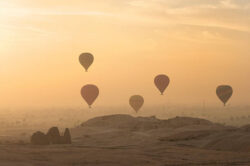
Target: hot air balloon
{"type": "Point", "coordinates": [224, 92]}
{"type": "Point", "coordinates": [136, 102]}
{"type": "Point", "coordinates": [86, 60]}
{"type": "Point", "coordinates": [90, 93]}
{"type": "Point", "coordinates": [161, 82]}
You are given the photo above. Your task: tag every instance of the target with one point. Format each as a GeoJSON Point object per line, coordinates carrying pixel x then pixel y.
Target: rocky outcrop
{"type": "Point", "coordinates": [52, 137]}
{"type": "Point", "coordinates": [39, 138]}
{"type": "Point", "coordinates": [67, 137]}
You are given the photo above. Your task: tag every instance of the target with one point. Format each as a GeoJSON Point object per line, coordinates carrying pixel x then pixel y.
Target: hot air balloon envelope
{"type": "Point", "coordinates": [161, 82]}
{"type": "Point", "coordinates": [90, 93]}
{"type": "Point", "coordinates": [136, 102]}
{"type": "Point", "coordinates": [224, 92]}
{"type": "Point", "coordinates": [86, 60]}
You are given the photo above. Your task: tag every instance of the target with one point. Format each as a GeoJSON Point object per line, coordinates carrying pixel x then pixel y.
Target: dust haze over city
{"type": "Point", "coordinates": [198, 45]}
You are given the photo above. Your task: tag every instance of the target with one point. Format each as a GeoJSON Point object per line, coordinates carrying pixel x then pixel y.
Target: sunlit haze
{"type": "Point", "coordinates": [199, 44]}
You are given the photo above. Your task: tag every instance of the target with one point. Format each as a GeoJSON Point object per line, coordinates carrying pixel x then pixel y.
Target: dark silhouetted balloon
{"type": "Point", "coordinates": [86, 60]}
{"type": "Point", "coordinates": [224, 92]}
{"type": "Point", "coordinates": [162, 82]}
{"type": "Point", "coordinates": [136, 102]}
{"type": "Point", "coordinates": [90, 93]}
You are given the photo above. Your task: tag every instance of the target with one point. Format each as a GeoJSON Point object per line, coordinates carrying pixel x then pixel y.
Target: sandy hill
{"type": "Point", "coordinates": [143, 123]}
{"type": "Point", "coordinates": [126, 130]}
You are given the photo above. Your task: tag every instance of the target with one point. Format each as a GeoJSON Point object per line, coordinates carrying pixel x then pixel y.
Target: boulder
{"type": "Point", "coordinates": [67, 137]}
{"type": "Point", "coordinates": [54, 135]}
{"type": "Point", "coordinates": [39, 138]}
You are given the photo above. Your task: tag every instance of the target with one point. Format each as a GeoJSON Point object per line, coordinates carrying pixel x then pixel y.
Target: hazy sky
{"type": "Point", "coordinates": [199, 44]}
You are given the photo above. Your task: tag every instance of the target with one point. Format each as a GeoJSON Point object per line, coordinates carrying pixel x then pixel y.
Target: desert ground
{"type": "Point", "coordinates": [126, 140]}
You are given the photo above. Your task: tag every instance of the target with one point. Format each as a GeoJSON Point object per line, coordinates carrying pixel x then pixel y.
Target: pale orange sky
{"type": "Point", "coordinates": [198, 44]}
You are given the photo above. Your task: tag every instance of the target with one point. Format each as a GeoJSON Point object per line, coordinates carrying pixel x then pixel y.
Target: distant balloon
{"type": "Point", "coordinates": [161, 82]}
{"type": "Point", "coordinates": [136, 102]}
{"type": "Point", "coordinates": [224, 92]}
{"type": "Point", "coordinates": [86, 60]}
{"type": "Point", "coordinates": [90, 93]}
